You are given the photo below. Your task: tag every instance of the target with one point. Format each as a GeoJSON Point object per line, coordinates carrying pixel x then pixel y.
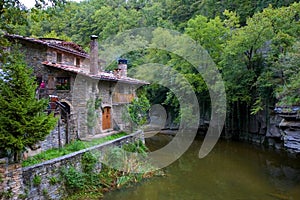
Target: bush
{"type": "Point", "coordinates": [74, 180]}
{"type": "Point", "coordinates": [37, 180]}
{"type": "Point", "coordinates": [88, 162]}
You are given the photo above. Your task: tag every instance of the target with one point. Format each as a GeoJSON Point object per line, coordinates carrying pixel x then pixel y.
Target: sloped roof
{"type": "Point", "coordinates": [100, 76]}
{"type": "Point", "coordinates": [61, 45]}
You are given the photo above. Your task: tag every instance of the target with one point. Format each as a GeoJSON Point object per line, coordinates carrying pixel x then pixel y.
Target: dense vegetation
{"type": "Point", "coordinates": [23, 121]}
{"type": "Point", "coordinates": [255, 44]}
{"type": "Point", "coordinates": [74, 146]}
{"type": "Point", "coordinates": [88, 184]}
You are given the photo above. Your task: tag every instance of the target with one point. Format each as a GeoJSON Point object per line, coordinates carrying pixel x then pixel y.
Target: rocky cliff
{"type": "Point", "coordinates": [290, 127]}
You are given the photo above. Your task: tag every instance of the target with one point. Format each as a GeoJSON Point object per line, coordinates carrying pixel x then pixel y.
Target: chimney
{"type": "Point", "coordinates": [122, 66]}
{"type": "Point", "coordinates": [94, 55]}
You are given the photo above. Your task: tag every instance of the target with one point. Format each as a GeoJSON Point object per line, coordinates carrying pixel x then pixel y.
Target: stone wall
{"type": "Point", "coordinates": [36, 182]}
{"type": "Point", "coordinates": [11, 181]}
{"type": "Point", "coordinates": [52, 140]}
{"type": "Point", "coordinates": [118, 122]}
{"type": "Point", "coordinates": [34, 56]}
{"type": "Point", "coordinates": [79, 103]}
{"type": "Point", "coordinates": [105, 92]}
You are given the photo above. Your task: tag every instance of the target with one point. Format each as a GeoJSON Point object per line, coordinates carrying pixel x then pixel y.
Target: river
{"type": "Point", "coordinates": [232, 171]}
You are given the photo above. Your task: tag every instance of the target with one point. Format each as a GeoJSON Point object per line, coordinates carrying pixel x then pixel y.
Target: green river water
{"type": "Point", "coordinates": [232, 171]}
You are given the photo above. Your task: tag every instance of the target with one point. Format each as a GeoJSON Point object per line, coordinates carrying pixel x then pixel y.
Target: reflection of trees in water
{"type": "Point", "coordinates": [251, 169]}
{"type": "Point", "coordinates": [283, 174]}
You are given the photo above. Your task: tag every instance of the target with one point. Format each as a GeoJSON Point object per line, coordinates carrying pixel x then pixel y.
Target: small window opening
{"type": "Point", "coordinates": [63, 83]}
{"type": "Point", "coordinates": [58, 57]}
{"type": "Point", "coordinates": [77, 62]}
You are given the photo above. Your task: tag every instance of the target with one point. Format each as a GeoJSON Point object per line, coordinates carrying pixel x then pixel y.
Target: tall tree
{"type": "Point", "coordinates": [23, 121]}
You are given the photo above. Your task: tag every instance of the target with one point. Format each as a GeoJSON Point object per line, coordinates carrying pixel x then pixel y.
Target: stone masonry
{"type": "Point", "coordinates": [19, 183]}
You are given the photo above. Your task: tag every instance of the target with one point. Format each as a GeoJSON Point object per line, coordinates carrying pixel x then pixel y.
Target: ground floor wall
{"type": "Point", "coordinates": [120, 122]}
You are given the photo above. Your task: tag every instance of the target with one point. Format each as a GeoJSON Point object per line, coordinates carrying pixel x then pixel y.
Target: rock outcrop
{"type": "Point", "coordinates": [290, 127]}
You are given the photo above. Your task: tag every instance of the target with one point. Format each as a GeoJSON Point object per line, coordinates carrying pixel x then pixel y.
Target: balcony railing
{"type": "Point", "coordinates": [122, 98]}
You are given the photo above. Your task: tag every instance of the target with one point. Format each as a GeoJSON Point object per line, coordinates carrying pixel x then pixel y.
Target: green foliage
{"type": "Point", "coordinates": [210, 33]}
{"type": "Point", "coordinates": [138, 109]}
{"type": "Point", "coordinates": [137, 146]}
{"type": "Point", "coordinates": [83, 195]}
{"type": "Point", "coordinates": [53, 34]}
{"type": "Point", "coordinates": [13, 17]}
{"type": "Point", "coordinates": [248, 68]}
{"type": "Point", "coordinates": [23, 196]}
{"type": "Point", "coordinates": [252, 43]}
{"type": "Point", "coordinates": [91, 114]}
{"type": "Point", "coordinates": [93, 185]}
{"type": "Point", "coordinates": [6, 194]}
{"type": "Point", "coordinates": [74, 180]}
{"type": "Point", "coordinates": [92, 106]}
{"type": "Point", "coordinates": [23, 121]}
{"type": "Point", "coordinates": [98, 102]}
{"type": "Point", "coordinates": [36, 180]}
{"type": "Point", "coordinates": [53, 180]}
{"type": "Point", "coordinates": [288, 91]}
{"type": "Point", "coordinates": [115, 157]}
{"type": "Point", "coordinates": [70, 148]}
{"type": "Point", "coordinates": [45, 192]}
{"type": "Point", "coordinates": [76, 145]}
{"type": "Point", "coordinates": [88, 162]}
{"type": "Point", "coordinates": [87, 184]}
{"type": "Point", "coordinates": [243, 8]}
{"type": "Point", "coordinates": [258, 106]}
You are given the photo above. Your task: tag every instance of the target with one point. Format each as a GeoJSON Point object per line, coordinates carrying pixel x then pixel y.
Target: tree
{"type": "Point", "coordinates": [209, 33]}
{"type": "Point", "coordinates": [13, 15]}
{"type": "Point", "coordinates": [23, 121]}
{"type": "Point", "coordinates": [138, 110]}
{"type": "Point", "coordinates": [244, 8]}
{"type": "Point", "coordinates": [288, 92]}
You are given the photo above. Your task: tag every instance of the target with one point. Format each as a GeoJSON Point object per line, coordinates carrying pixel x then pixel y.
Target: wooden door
{"type": "Point", "coordinates": [106, 118]}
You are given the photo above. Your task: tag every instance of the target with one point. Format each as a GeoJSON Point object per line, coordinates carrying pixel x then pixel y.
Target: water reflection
{"type": "Point", "coordinates": [231, 171]}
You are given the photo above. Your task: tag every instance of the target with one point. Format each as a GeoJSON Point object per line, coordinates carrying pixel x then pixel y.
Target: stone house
{"type": "Point", "coordinates": [91, 100]}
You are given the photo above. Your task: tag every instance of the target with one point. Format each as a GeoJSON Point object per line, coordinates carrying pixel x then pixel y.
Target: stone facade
{"type": "Point", "coordinates": [76, 78]}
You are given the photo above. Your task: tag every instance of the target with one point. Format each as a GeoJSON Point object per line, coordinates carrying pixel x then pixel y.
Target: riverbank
{"type": "Point", "coordinates": [50, 179]}
{"type": "Point", "coordinates": [233, 170]}
{"type": "Point", "coordinates": [96, 185]}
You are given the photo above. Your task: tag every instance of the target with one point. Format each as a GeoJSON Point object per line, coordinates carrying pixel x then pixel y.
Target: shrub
{"type": "Point", "coordinates": [74, 180]}
{"type": "Point", "coordinates": [37, 180]}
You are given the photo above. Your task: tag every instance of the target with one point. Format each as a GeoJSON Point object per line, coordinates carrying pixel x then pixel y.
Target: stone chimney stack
{"type": "Point", "coordinates": [94, 55]}
{"type": "Point", "coordinates": [122, 66]}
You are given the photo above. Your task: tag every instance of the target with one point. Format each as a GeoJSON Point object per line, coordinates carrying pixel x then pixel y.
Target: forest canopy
{"type": "Point", "coordinates": [255, 44]}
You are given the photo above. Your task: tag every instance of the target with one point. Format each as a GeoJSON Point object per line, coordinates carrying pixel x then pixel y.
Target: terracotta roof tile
{"type": "Point", "coordinates": [61, 45]}
{"type": "Point", "coordinates": [100, 76]}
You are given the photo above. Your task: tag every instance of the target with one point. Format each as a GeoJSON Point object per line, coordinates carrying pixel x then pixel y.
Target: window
{"type": "Point", "coordinates": [58, 57]}
{"type": "Point", "coordinates": [77, 62]}
{"type": "Point", "coordinates": [63, 83]}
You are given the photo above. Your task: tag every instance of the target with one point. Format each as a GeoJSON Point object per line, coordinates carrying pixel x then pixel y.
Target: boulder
{"type": "Point", "coordinates": [292, 140]}
{"type": "Point", "coordinates": [273, 129]}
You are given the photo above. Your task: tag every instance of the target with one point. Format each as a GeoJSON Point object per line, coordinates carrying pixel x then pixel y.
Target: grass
{"type": "Point", "coordinates": [69, 148]}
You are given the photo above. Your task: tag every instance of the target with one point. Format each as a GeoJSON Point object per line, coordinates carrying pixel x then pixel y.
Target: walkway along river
{"type": "Point", "coordinates": [232, 171]}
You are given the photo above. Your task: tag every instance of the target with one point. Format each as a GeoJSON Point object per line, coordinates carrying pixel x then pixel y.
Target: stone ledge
{"type": "Point", "coordinates": [55, 160]}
